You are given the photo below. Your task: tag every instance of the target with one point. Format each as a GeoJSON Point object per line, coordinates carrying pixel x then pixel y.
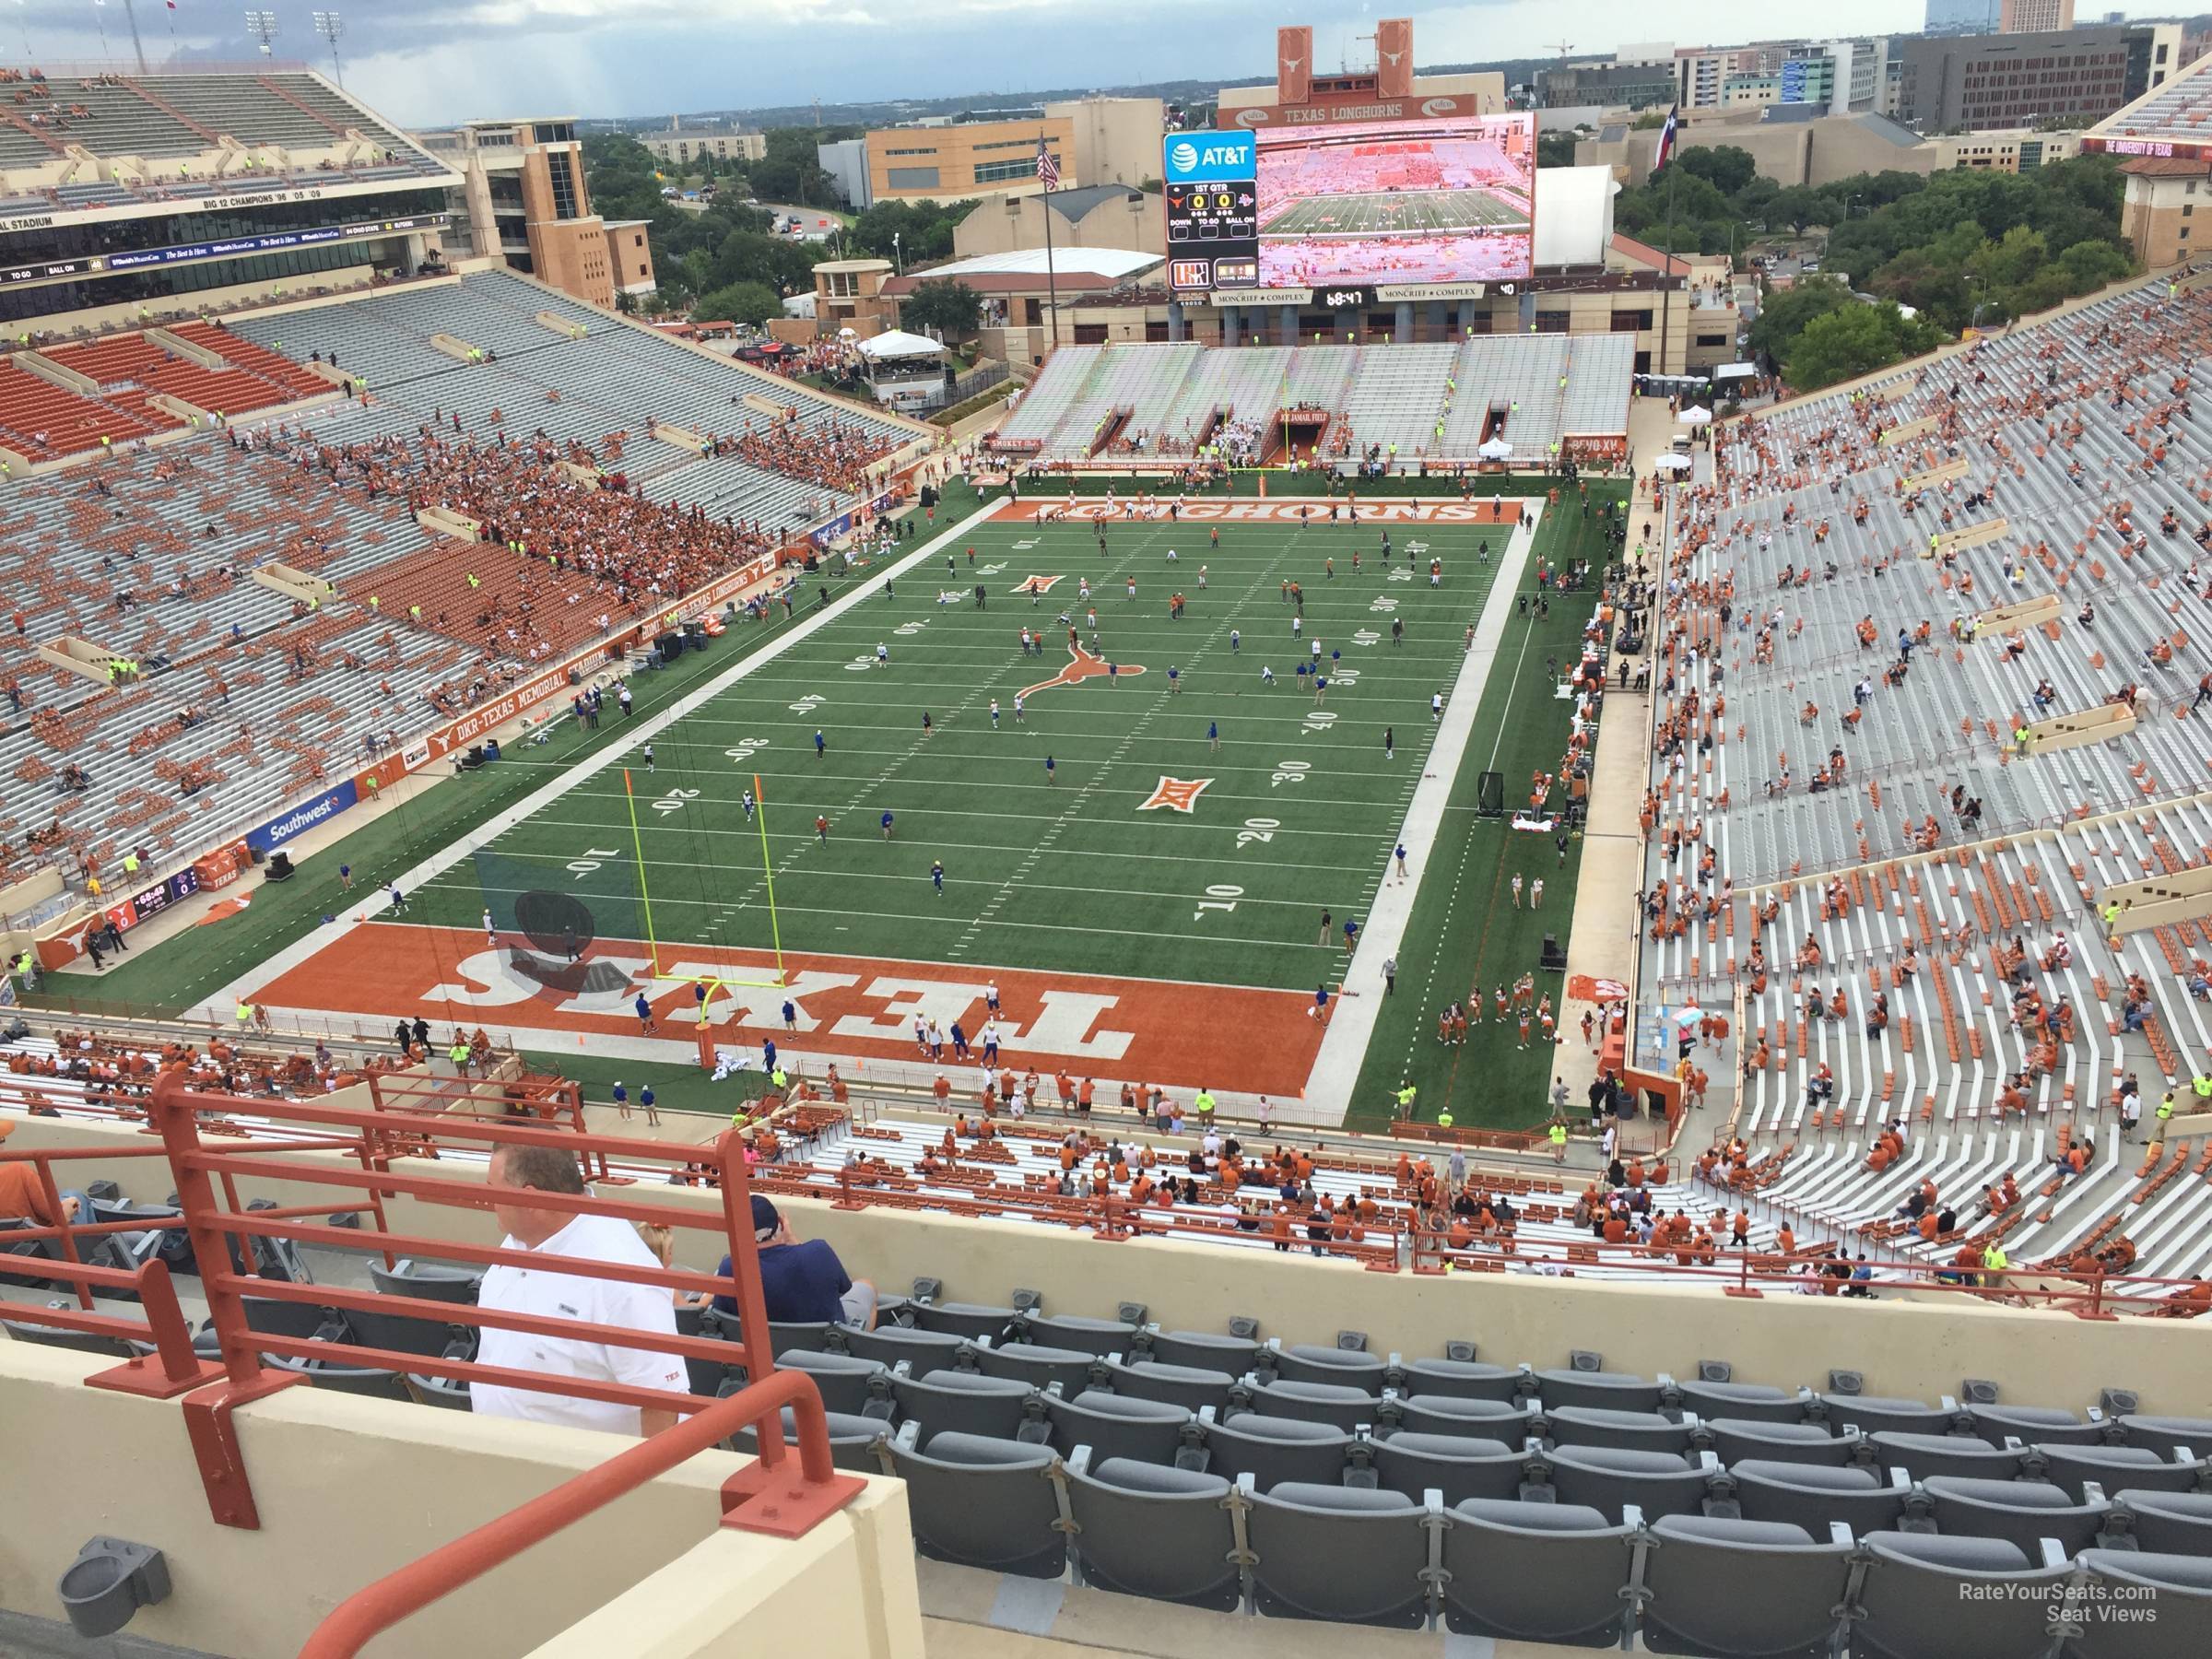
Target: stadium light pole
{"type": "Point", "coordinates": [262, 24]}
{"type": "Point", "coordinates": [330, 26]}
{"type": "Point", "coordinates": [130, 14]}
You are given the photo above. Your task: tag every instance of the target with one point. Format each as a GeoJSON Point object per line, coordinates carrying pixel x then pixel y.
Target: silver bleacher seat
{"type": "Point", "coordinates": [1203, 1350]}
{"type": "Point", "coordinates": [1633, 1430]}
{"type": "Point", "coordinates": [979, 1502]}
{"type": "Point", "coordinates": [967, 1402]}
{"type": "Point", "coordinates": [1099, 1336]}
{"type": "Point", "coordinates": [1733, 1438]}
{"type": "Point", "coordinates": [1877, 1414]}
{"type": "Point", "coordinates": [1698, 1571]}
{"type": "Point", "coordinates": [1923, 1456]}
{"type": "Point", "coordinates": [1743, 1402]}
{"type": "Point", "coordinates": [969, 1320]}
{"type": "Point", "coordinates": [1165, 1533]}
{"type": "Point", "coordinates": [2166, 1523]}
{"type": "Point", "coordinates": [1343, 1555]}
{"type": "Point", "coordinates": [1603, 1390]}
{"type": "Point", "coordinates": [1538, 1572]}
{"type": "Point", "coordinates": [2168, 1434]}
{"type": "Point", "coordinates": [2166, 1599]}
{"type": "Point", "coordinates": [1039, 1366]}
{"type": "Point", "coordinates": [1460, 1466]}
{"type": "Point", "coordinates": [2031, 1424]}
{"type": "Point", "coordinates": [922, 1351]}
{"type": "Point", "coordinates": [1448, 1414]}
{"type": "Point", "coordinates": [1191, 1387]}
{"type": "Point", "coordinates": [1812, 1495]}
{"type": "Point", "coordinates": [1115, 1426]}
{"type": "Point", "coordinates": [853, 1439]}
{"type": "Point", "coordinates": [1468, 1378]}
{"type": "Point", "coordinates": [1334, 1404]}
{"type": "Point", "coordinates": [2114, 1467]}
{"type": "Point", "coordinates": [1608, 1479]}
{"type": "Point", "coordinates": [1958, 1598]}
{"type": "Point", "coordinates": [1273, 1450]}
{"type": "Point", "coordinates": [1310, 1363]}
{"type": "Point", "coordinates": [2021, 1511]}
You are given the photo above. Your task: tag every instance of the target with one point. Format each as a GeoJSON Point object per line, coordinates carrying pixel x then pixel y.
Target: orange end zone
{"type": "Point", "coordinates": [1278, 509]}
{"type": "Point", "coordinates": [1186, 1036]}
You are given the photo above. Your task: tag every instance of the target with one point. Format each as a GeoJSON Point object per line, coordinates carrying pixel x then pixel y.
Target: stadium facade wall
{"type": "Point", "coordinates": [344, 1487]}
{"type": "Point", "coordinates": [198, 302]}
{"type": "Point", "coordinates": [1916, 1351]}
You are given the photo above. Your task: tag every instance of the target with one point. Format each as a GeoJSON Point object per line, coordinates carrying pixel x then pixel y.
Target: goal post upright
{"type": "Point", "coordinates": [768, 874]}
{"type": "Point", "coordinates": [637, 841]}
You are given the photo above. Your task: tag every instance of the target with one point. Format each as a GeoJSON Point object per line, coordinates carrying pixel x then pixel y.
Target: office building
{"type": "Point", "coordinates": [1961, 17]}
{"type": "Point", "coordinates": [2024, 80]}
{"type": "Point", "coordinates": [680, 146]}
{"type": "Point", "coordinates": [964, 161]}
{"type": "Point", "coordinates": [2034, 16]}
{"type": "Point", "coordinates": [1116, 139]}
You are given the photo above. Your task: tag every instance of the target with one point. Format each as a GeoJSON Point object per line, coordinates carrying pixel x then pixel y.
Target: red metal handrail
{"type": "Point", "coordinates": [817, 1492]}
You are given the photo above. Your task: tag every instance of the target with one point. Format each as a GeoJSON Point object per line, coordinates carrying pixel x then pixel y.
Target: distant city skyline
{"type": "Point", "coordinates": [422, 63]}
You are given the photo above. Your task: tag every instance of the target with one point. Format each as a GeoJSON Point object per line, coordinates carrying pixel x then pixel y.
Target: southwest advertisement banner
{"type": "Point", "coordinates": [268, 837]}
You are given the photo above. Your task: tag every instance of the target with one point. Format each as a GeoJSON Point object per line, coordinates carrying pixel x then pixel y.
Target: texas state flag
{"type": "Point", "coordinates": [1666, 139]}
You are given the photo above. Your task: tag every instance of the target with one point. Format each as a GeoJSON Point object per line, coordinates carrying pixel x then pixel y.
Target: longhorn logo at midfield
{"type": "Point", "coordinates": [1083, 667]}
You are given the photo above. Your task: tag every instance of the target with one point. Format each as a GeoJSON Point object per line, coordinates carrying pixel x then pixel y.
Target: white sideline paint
{"type": "Point", "coordinates": [1329, 1094]}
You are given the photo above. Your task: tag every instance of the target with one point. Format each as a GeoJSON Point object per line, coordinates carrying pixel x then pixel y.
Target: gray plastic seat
{"type": "Point", "coordinates": [969, 1320]}
{"type": "Point", "coordinates": [1540, 1573]}
{"type": "Point", "coordinates": [1157, 1532]}
{"type": "Point", "coordinates": [2167, 1523]}
{"type": "Point", "coordinates": [924, 1352]}
{"type": "Point", "coordinates": [849, 1383]}
{"type": "Point", "coordinates": [1309, 1362]}
{"type": "Point", "coordinates": [1924, 1456]}
{"type": "Point", "coordinates": [2169, 1434]}
{"type": "Point", "coordinates": [1699, 1571]}
{"type": "Point", "coordinates": [2114, 1467]}
{"type": "Point", "coordinates": [1273, 1450]}
{"type": "Point", "coordinates": [19, 1330]}
{"type": "Point", "coordinates": [1098, 1337]}
{"type": "Point", "coordinates": [1634, 1430]}
{"type": "Point", "coordinates": [2169, 1599]}
{"type": "Point", "coordinates": [428, 1281]}
{"type": "Point", "coordinates": [1600, 1390]}
{"type": "Point", "coordinates": [1960, 1598]}
{"type": "Point", "coordinates": [1452, 1414]}
{"type": "Point", "coordinates": [1331, 1402]}
{"type": "Point", "coordinates": [1605, 1477]}
{"type": "Point", "coordinates": [965, 1403]}
{"type": "Point", "coordinates": [1462, 1379]}
{"type": "Point", "coordinates": [2031, 1424]}
{"type": "Point", "coordinates": [1115, 1426]}
{"type": "Point", "coordinates": [2020, 1512]}
{"type": "Point", "coordinates": [1191, 1387]}
{"type": "Point", "coordinates": [1886, 1413]}
{"type": "Point", "coordinates": [1459, 1466]}
{"type": "Point", "coordinates": [1338, 1554]}
{"type": "Point", "coordinates": [852, 1441]}
{"type": "Point", "coordinates": [1751, 1437]}
{"type": "Point", "coordinates": [1039, 1366]}
{"type": "Point", "coordinates": [1744, 1402]}
{"type": "Point", "coordinates": [979, 1502]}
{"type": "Point", "coordinates": [1203, 1350]}
{"type": "Point", "coordinates": [1812, 1495]}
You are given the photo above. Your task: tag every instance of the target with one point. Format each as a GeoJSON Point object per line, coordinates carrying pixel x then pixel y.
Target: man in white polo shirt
{"type": "Point", "coordinates": [551, 1294]}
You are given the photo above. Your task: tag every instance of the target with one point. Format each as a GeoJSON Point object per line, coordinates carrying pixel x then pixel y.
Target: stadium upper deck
{"type": "Point", "coordinates": [1933, 684]}
{"type": "Point", "coordinates": [249, 696]}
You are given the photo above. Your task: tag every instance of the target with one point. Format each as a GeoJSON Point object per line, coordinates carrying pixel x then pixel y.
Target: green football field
{"type": "Point", "coordinates": [1064, 869]}
{"type": "Point", "coordinates": [1384, 211]}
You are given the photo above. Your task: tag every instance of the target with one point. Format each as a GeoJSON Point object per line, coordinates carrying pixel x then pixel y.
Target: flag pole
{"type": "Point", "coordinates": [1051, 283]}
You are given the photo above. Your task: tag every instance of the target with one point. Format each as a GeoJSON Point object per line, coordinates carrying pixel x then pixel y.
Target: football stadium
{"type": "Point", "coordinates": [598, 933]}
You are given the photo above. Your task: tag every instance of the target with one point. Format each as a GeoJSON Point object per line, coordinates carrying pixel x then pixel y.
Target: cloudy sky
{"type": "Point", "coordinates": [423, 62]}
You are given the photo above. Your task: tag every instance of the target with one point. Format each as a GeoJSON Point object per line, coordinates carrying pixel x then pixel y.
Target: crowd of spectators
{"type": "Point", "coordinates": [833, 453]}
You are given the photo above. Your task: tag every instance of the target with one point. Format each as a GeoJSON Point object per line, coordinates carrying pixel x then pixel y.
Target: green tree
{"type": "Point", "coordinates": [1555, 150]}
{"type": "Point", "coordinates": [753, 303]}
{"type": "Point", "coordinates": [2091, 265]}
{"type": "Point", "coordinates": [1798, 206]}
{"type": "Point", "coordinates": [1784, 317]}
{"type": "Point", "coordinates": [952, 309]}
{"type": "Point", "coordinates": [1727, 167]}
{"type": "Point", "coordinates": [1839, 345]}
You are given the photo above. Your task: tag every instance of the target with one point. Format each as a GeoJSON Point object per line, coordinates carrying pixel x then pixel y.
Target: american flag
{"type": "Point", "coordinates": [1048, 170]}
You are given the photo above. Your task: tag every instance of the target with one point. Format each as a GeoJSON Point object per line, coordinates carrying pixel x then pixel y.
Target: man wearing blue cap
{"type": "Point", "coordinates": [801, 1283]}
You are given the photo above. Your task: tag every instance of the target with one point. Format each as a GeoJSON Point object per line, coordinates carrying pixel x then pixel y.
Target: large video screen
{"type": "Point", "coordinates": [1378, 203]}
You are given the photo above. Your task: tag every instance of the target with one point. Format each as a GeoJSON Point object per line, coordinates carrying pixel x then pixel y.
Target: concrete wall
{"type": "Point", "coordinates": [1136, 222]}
{"type": "Point", "coordinates": [350, 1488]}
{"type": "Point", "coordinates": [1921, 1351]}
{"type": "Point", "coordinates": [1116, 139]}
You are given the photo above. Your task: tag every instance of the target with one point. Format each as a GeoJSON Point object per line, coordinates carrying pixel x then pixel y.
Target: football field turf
{"type": "Point", "coordinates": [1167, 877]}
{"type": "Point", "coordinates": [1384, 211]}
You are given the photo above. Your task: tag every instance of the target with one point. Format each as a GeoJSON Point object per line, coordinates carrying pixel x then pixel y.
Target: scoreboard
{"type": "Point", "coordinates": [1210, 182]}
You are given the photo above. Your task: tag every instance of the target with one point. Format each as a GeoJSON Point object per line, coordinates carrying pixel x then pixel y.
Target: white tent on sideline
{"type": "Point", "coordinates": [1495, 449]}
{"type": "Point", "coordinates": [897, 343]}
{"type": "Point", "coordinates": [1696, 416]}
